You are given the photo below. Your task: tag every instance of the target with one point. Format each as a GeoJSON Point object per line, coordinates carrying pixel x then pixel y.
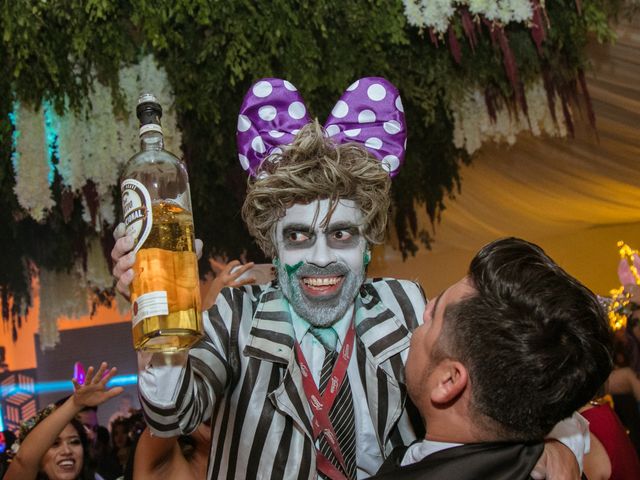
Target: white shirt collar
{"type": "Point", "coordinates": [423, 449]}
{"type": "Point", "coordinates": [301, 326]}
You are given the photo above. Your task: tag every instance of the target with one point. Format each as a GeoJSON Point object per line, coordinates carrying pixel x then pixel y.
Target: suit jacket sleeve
{"type": "Point", "coordinates": [178, 392]}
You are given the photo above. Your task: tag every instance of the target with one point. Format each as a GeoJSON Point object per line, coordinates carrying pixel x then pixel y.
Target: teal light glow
{"type": "Point", "coordinates": [65, 386]}
{"type": "Point", "coordinates": [1, 419]}
{"type": "Point", "coordinates": [13, 118]}
{"type": "Point", "coordinates": [123, 380]}
{"type": "Point", "coordinates": [51, 129]}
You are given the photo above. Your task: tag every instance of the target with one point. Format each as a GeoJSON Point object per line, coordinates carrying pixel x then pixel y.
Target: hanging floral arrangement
{"type": "Point", "coordinates": [483, 113]}
{"type": "Point", "coordinates": [85, 151]}
{"type": "Point", "coordinates": [475, 123]}
{"type": "Point", "coordinates": [470, 71]}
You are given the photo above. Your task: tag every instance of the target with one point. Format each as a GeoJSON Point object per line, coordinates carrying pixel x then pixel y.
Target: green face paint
{"type": "Point", "coordinates": [291, 269]}
{"type": "Point", "coordinates": [366, 257]}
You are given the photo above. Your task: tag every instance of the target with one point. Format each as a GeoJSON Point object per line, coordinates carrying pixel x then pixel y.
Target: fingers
{"type": "Point", "coordinates": [124, 259]}
{"type": "Point", "coordinates": [539, 472]}
{"type": "Point", "coordinates": [89, 375]}
{"type": "Point", "coordinates": [122, 248]}
{"type": "Point", "coordinates": [109, 375]}
{"type": "Point", "coordinates": [124, 282]}
{"type": "Point", "coordinates": [113, 392]}
{"type": "Point", "coordinates": [99, 374]}
{"type": "Point", "coordinates": [240, 270]}
{"type": "Point", "coordinates": [230, 266]}
{"type": "Point", "coordinates": [216, 266]}
{"type": "Point", "coordinates": [198, 245]}
{"type": "Point", "coordinates": [244, 281]}
{"type": "Point", "coordinates": [125, 265]}
{"type": "Point", "coordinates": [100, 377]}
{"type": "Point", "coordinates": [119, 231]}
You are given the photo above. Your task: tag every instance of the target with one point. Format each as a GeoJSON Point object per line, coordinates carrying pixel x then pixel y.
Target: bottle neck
{"type": "Point", "coordinates": [151, 140]}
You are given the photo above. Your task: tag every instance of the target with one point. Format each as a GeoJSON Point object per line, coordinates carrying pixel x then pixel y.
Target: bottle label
{"type": "Point", "coordinates": [151, 127]}
{"type": "Point", "coordinates": [136, 208]}
{"type": "Point", "coordinates": [149, 305]}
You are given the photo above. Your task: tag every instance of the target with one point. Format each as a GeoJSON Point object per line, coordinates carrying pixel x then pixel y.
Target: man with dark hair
{"type": "Point", "coordinates": [502, 356]}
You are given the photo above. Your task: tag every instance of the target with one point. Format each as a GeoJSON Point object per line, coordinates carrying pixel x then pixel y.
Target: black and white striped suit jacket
{"type": "Point", "coordinates": [244, 376]}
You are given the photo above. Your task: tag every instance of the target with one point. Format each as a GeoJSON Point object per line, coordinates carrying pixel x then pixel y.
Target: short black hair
{"type": "Point", "coordinates": [535, 341]}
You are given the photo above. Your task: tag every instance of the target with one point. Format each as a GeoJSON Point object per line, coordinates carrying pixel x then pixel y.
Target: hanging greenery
{"type": "Point", "coordinates": [74, 62]}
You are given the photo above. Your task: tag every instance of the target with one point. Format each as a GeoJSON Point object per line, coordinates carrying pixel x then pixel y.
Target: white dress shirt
{"type": "Point", "coordinates": [573, 432]}
{"type": "Point", "coordinates": [423, 449]}
{"type": "Point", "coordinates": [367, 450]}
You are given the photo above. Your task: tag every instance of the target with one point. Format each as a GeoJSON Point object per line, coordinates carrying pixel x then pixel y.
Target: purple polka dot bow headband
{"type": "Point", "coordinates": [369, 112]}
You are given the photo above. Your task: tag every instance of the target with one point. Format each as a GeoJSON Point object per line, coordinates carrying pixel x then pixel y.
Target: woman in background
{"type": "Point", "coordinates": [53, 445]}
{"type": "Point", "coordinates": [612, 455]}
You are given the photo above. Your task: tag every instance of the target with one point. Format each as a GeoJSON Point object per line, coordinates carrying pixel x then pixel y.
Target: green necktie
{"type": "Point", "coordinates": [327, 336]}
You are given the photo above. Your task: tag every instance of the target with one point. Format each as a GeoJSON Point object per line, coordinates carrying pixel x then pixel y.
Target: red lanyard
{"type": "Point", "coordinates": [321, 404]}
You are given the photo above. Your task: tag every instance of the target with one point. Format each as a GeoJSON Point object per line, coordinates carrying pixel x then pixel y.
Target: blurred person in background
{"type": "Point", "coordinates": [120, 441]}
{"type": "Point", "coordinates": [612, 455]}
{"type": "Point", "coordinates": [7, 437]}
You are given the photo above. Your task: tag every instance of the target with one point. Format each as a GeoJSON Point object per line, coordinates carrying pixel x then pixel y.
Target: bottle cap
{"type": "Point", "coordinates": [148, 110]}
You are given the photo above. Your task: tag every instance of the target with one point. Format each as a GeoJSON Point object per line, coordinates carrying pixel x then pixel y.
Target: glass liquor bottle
{"type": "Point", "coordinates": [156, 205]}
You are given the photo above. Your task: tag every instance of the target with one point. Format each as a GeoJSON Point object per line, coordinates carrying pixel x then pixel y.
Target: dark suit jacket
{"type": "Point", "coordinates": [474, 461]}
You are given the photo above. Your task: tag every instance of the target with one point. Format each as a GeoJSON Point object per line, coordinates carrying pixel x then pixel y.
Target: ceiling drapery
{"type": "Point", "coordinates": [574, 197]}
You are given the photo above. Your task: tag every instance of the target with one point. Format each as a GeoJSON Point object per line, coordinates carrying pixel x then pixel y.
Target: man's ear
{"type": "Point", "coordinates": [451, 379]}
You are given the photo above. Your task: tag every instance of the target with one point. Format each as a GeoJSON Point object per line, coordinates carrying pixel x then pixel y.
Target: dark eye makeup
{"type": "Point", "coordinates": [339, 235]}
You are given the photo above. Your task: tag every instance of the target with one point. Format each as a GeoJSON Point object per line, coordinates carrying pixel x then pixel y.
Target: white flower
{"type": "Point", "coordinates": [503, 11]}
{"type": "Point", "coordinates": [31, 162]}
{"type": "Point", "coordinates": [94, 145]}
{"type": "Point", "coordinates": [480, 7]}
{"type": "Point", "coordinates": [437, 14]}
{"type": "Point", "coordinates": [60, 296]}
{"type": "Point", "coordinates": [97, 274]}
{"type": "Point", "coordinates": [473, 125]}
{"type": "Point", "coordinates": [413, 13]}
{"type": "Point", "coordinates": [521, 11]}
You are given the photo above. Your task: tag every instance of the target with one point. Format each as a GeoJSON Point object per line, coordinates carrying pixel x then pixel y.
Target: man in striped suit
{"type": "Point", "coordinates": [245, 374]}
{"type": "Point", "coordinates": [303, 377]}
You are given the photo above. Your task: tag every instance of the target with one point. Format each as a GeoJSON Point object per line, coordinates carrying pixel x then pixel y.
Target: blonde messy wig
{"type": "Point", "coordinates": [315, 168]}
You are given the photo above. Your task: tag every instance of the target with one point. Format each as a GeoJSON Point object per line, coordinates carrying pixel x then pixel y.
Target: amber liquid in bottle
{"type": "Point", "coordinates": [167, 262]}
{"type": "Point", "coordinates": [156, 205]}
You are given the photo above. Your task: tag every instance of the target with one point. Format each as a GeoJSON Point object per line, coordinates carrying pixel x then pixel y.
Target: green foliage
{"type": "Point", "coordinates": [213, 50]}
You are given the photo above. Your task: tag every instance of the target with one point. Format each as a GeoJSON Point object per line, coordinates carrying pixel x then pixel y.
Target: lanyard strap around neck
{"type": "Point", "coordinates": [321, 403]}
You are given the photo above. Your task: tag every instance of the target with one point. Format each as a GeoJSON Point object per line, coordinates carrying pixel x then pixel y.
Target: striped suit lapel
{"type": "Point", "coordinates": [381, 338]}
{"type": "Point", "coordinates": [271, 339]}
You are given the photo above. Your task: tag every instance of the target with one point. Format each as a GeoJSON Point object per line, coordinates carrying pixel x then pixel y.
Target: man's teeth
{"type": "Point", "coordinates": [321, 281]}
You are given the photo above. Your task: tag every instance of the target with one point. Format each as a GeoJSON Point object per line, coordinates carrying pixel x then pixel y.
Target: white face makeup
{"type": "Point", "coordinates": [321, 269]}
